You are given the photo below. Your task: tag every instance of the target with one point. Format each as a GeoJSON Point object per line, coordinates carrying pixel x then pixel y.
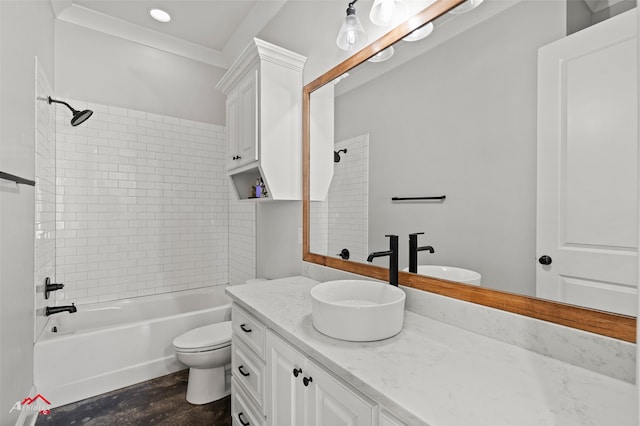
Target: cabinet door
{"type": "Point", "coordinates": [232, 130]}
{"type": "Point", "coordinates": [284, 394]}
{"type": "Point", "coordinates": [248, 115]}
{"type": "Point", "coordinates": [330, 403]}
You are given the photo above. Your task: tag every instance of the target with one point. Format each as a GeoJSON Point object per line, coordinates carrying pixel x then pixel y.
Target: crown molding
{"type": "Point", "coordinates": [66, 11]}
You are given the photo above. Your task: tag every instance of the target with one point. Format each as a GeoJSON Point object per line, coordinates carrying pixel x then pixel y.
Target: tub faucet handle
{"type": "Point", "coordinates": [49, 287]}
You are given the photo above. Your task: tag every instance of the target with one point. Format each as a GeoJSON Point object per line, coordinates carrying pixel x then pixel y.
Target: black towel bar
{"type": "Point", "coordinates": [442, 197]}
{"type": "Point", "coordinates": [17, 179]}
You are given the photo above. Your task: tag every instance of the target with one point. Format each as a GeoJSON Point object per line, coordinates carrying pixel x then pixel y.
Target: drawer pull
{"type": "Point", "coordinates": [243, 372]}
{"type": "Point", "coordinates": [307, 380]}
{"type": "Point", "coordinates": [242, 421]}
{"type": "Point", "coordinates": [296, 371]}
{"type": "Point", "coordinates": [244, 328]}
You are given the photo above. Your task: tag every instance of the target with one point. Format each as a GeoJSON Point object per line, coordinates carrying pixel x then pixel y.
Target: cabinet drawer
{"type": "Point", "coordinates": [249, 330]}
{"type": "Point", "coordinates": [248, 371]}
{"type": "Point", "coordinates": [243, 412]}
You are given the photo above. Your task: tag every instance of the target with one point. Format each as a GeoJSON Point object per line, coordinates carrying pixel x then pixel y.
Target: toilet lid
{"type": "Point", "coordinates": [204, 338]}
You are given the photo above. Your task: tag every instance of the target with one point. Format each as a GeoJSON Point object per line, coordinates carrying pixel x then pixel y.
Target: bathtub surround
{"type": "Point", "coordinates": [342, 220]}
{"type": "Point", "coordinates": [143, 206]}
{"type": "Point", "coordinates": [45, 197]}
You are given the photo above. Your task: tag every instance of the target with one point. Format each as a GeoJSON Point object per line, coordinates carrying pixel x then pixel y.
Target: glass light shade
{"type": "Point", "coordinates": [466, 7]}
{"type": "Point", "coordinates": [351, 35]}
{"type": "Point", "coordinates": [387, 12]}
{"type": "Point", "coordinates": [160, 15]}
{"type": "Point", "coordinates": [420, 33]}
{"type": "Point", "coordinates": [383, 55]}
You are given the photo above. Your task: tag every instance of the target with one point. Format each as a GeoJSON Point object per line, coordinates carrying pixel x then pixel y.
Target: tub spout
{"type": "Point", "coordinates": [50, 310]}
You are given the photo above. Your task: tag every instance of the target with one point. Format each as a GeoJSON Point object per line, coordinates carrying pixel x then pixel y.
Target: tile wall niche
{"type": "Point", "coordinates": [45, 196]}
{"type": "Point", "coordinates": [342, 220]}
{"type": "Point", "coordinates": [143, 206]}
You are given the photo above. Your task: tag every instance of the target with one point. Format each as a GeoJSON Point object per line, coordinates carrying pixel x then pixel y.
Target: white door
{"type": "Point", "coordinates": [587, 221]}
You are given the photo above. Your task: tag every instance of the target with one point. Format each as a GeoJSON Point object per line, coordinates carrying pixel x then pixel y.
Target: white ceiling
{"type": "Point", "coordinates": [209, 31]}
{"type": "Point", "coordinates": [209, 23]}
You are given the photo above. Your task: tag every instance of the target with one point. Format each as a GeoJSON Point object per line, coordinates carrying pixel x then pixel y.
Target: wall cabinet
{"type": "Point", "coordinates": [264, 94]}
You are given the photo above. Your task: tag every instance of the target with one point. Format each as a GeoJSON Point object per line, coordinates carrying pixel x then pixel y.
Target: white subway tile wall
{"type": "Point", "coordinates": [242, 240]}
{"type": "Point", "coordinates": [349, 200]}
{"type": "Point", "coordinates": [45, 197]}
{"type": "Point", "coordinates": [342, 220]}
{"type": "Point", "coordinates": [142, 205]}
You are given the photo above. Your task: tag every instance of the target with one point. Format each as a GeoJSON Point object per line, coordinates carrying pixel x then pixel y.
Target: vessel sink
{"type": "Point", "coordinates": [357, 310]}
{"type": "Point", "coordinates": [450, 273]}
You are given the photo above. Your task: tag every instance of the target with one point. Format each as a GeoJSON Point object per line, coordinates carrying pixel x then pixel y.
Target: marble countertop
{"type": "Point", "coordinates": [436, 374]}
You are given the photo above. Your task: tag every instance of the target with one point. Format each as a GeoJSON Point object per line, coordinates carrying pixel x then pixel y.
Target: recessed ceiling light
{"type": "Point", "coordinates": [160, 15]}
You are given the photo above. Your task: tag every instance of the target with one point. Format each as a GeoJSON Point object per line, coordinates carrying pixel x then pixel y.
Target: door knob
{"type": "Point", "coordinates": [545, 260]}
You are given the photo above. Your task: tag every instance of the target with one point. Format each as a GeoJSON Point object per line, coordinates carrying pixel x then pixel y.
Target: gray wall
{"type": "Point", "coordinates": [461, 121]}
{"type": "Point", "coordinates": [108, 70]}
{"type": "Point", "coordinates": [26, 31]}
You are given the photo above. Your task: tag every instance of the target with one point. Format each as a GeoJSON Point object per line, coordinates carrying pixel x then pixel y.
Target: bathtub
{"type": "Point", "coordinates": [107, 346]}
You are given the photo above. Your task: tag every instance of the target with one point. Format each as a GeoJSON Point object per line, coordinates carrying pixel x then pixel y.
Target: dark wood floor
{"type": "Point", "coordinates": [157, 402]}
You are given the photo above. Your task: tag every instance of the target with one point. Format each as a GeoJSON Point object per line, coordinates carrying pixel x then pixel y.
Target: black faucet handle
{"type": "Point", "coordinates": [416, 233]}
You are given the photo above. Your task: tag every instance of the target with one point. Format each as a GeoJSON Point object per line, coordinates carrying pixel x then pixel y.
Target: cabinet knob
{"type": "Point", "coordinates": [244, 373]}
{"type": "Point", "coordinates": [307, 380]}
{"type": "Point", "coordinates": [297, 371]}
{"type": "Point", "coordinates": [241, 420]}
{"type": "Point", "coordinates": [244, 328]}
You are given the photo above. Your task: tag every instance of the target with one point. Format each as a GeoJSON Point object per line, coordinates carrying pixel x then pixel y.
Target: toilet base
{"type": "Point", "coordinates": [206, 385]}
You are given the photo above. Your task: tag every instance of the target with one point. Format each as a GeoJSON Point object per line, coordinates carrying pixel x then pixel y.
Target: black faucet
{"type": "Point", "coordinates": [50, 310]}
{"type": "Point", "coordinates": [414, 249]}
{"type": "Point", "coordinates": [393, 258]}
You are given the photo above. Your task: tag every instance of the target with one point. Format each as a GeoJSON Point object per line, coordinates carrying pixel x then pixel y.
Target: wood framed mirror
{"type": "Point", "coordinates": [609, 324]}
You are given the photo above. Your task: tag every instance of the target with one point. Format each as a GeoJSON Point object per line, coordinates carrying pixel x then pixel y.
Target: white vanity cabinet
{"type": "Point", "coordinates": [247, 369]}
{"type": "Point", "coordinates": [275, 384]}
{"type": "Point", "coordinates": [264, 94]}
{"type": "Point", "coordinates": [303, 393]}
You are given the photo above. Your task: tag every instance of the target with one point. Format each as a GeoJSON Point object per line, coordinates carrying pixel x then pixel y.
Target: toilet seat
{"type": "Point", "coordinates": [202, 339]}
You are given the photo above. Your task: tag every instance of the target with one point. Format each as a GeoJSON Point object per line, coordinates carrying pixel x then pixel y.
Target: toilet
{"type": "Point", "coordinates": [206, 351]}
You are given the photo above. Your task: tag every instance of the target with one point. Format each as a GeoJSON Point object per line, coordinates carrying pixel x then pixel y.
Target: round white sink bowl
{"type": "Point", "coordinates": [450, 273]}
{"type": "Point", "coordinates": [357, 310]}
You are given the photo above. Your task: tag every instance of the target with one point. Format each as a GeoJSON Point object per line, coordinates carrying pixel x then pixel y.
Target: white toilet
{"type": "Point", "coordinates": [205, 350]}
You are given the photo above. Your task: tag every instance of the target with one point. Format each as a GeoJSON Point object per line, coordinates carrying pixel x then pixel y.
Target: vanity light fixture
{"type": "Point", "coordinates": [383, 55]}
{"type": "Point", "coordinates": [160, 15]}
{"type": "Point", "coordinates": [466, 7]}
{"type": "Point", "coordinates": [420, 33]}
{"type": "Point", "coordinates": [351, 35]}
{"type": "Point", "coordinates": [386, 12]}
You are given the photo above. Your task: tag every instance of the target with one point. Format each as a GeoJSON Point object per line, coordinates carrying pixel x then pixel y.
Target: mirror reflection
{"type": "Point", "coordinates": [457, 114]}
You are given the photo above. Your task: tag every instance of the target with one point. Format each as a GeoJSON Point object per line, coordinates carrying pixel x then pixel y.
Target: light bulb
{"type": "Point", "coordinates": [420, 33]}
{"type": "Point", "coordinates": [351, 35]}
{"type": "Point", "coordinates": [387, 12]}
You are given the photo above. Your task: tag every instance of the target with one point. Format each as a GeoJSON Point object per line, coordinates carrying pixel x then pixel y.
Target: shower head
{"type": "Point", "coordinates": [79, 117]}
{"type": "Point", "coordinates": [336, 155]}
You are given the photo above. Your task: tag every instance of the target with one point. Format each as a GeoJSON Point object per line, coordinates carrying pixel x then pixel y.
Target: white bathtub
{"type": "Point", "coordinates": [107, 346]}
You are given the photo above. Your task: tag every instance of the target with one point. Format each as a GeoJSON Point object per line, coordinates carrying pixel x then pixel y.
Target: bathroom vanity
{"type": "Point", "coordinates": [431, 373]}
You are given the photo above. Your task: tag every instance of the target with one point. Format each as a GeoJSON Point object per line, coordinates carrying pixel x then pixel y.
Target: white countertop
{"type": "Point", "coordinates": [436, 374]}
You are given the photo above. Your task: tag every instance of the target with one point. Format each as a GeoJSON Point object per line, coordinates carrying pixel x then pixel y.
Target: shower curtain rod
{"type": "Point", "coordinates": [17, 179]}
